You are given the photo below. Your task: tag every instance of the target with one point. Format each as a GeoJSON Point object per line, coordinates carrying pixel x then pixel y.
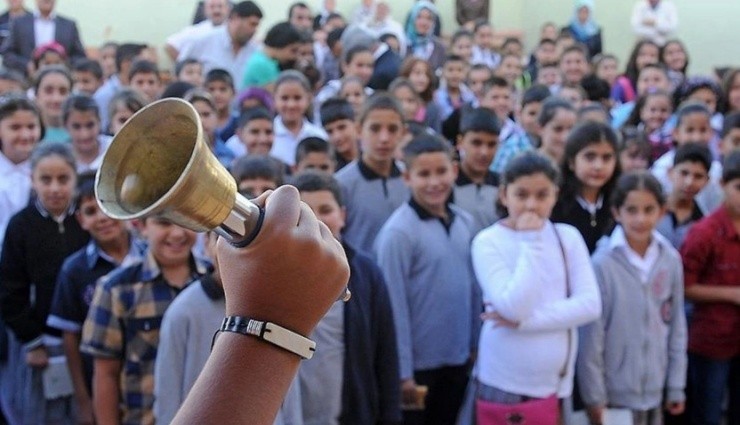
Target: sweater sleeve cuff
{"type": "Point", "coordinates": [675, 395]}
{"type": "Point", "coordinates": [34, 343]}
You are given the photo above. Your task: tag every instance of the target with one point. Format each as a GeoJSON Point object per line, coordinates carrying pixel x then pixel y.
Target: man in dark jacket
{"type": "Point", "coordinates": [33, 30]}
{"type": "Point", "coordinates": [387, 62]}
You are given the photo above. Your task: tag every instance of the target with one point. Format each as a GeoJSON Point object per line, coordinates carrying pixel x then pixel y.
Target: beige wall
{"type": "Point", "coordinates": [713, 38]}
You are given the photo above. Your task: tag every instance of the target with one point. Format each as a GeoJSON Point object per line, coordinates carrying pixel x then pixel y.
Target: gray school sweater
{"type": "Point", "coordinates": [479, 200]}
{"type": "Point", "coordinates": [370, 199]}
{"type": "Point", "coordinates": [436, 305]}
{"type": "Point", "coordinates": [634, 356]}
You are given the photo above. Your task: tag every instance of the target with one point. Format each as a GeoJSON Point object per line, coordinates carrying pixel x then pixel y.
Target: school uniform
{"type": "Point", "coordinates": [188, 326]}
{"type": "Point", "coordinates": [592, 220]}
{"type": "Point", "coordinates": [479, 200]}
{"type": "Point", "coordinates": [76, 285]}
{"type": "Point", "coordinates": [426, 265]}
{"type": "Point", "coordinates": [709, 198]}
{"type": "Point", "coordinates": [676, 231]}
{"type": "Point", "coordinates": [354, 378]}
{"type": "Point", "coordinates": [124, 324]}
{"type": "Point", "coordinates": [35, 245]}
{"type": "Point", "coordinates": [286, 143]}
{"type": "Point", "coordinates": [634, 355]}
{"type": "Point", "coordinates": [369, 199]}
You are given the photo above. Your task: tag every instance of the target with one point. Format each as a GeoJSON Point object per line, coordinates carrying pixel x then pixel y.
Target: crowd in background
{"type": "Point", "coordinates": [550, 226]}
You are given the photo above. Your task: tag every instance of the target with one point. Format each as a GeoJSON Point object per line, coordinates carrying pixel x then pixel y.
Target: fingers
{"type": "Point", "coordinates": [260, 200]}
{"type": "Point", "coordinates": [282, 208]}
{"type": "Point", "coordinates": [307, 222]}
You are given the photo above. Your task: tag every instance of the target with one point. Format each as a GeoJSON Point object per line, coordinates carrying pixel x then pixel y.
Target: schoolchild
{"type": "Point", "coordinates": [634, 355]}
{"type": "Point", "coordinates": [574, 64]}
{"type": "Point", "coordinates": [189, 71]}
{"type": "Point", "coordinates": [354, 379]}
{"type": "Point", "coordinates": [689, 175]}
{"type": "Point", "coordinates": [220, 84]}
{"type": "Point", "coordinates": [710, 256]}
{"type": "Point", "coordinates": [37, 241]}
{"type": "Point", "coordinates": [527, 119]}
{"type": "Point", "coordinates": [82, 121]}
{"type": "Point", "coordinates": [372, 185]}
{"type": "Point", "coordinates": [338, 120]}
{"type": "Point", "coordinates": [634, 151]}
{"type": "Point", "coordinates": [650, 115]}
{"type": "Point", "coordinates": [144, 78]}
{"type": "Point", "coordinates": [111, 246]}
{"type": "Point", "coordinates": [424, 252]}
{"type": "Point", "coordinates": [538, 287]}
{"type": "Point", "coordinates": [590, 169]}
{"type": "Point", "coordinates": [52, 87]}
{"type": "Point", "coordinates": [123, 105]}
{"type": "Point", "coordinates": [644, 53]}
{"type": "Point", "coordinates": [556, 120]}
{"type": "Point", "coordinates": [476, 187]}
{"type": "Point", "coordinates": [314, 153]}
{"type": "Point", "coordinates": [256, 174]}
{"type": "Point", "coordinates": [254, 133]}
{"type": "Point", "coordinates": [88, 77]}
{"type": "Point", "coordinates": [203, 103]}
{"type": "Point", "coordinates": [452, 93]}
{"type": "Point", "coordinates": [122, 328]}
{"type": "Point", "coordinates": [292, 101]}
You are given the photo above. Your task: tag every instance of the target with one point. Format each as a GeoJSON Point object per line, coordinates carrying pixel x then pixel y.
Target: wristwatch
{"type": "Point", "coordinates": [270, 332]}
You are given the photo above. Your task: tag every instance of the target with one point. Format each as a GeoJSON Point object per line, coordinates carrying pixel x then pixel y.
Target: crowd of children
{"type": "Point", "coordinates": [521, 230]}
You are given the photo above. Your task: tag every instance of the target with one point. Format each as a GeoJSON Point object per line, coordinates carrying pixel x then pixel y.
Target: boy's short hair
{"type": "Point", "coordinates": [314, 181]}
{"type": "Point", "coordinates": [425, 143]}
{"type": "Point", "coordinates": [281, 35]}
{"type": "Point", "coordinates": [731, 166]}
{"type": "Point", "coordinates": [336, 109]}
{"type": "Point", "coordinates": [334, 36]}
{"type": "Point", "coordinates": [15, 76]}
{"type": "Point", "coordinates": [80, 103]}
{"type": "Point", "coordinates": [245, 9]}
{"type": "Point", "coordinates": [180, 65]}
{"type": "Point", "coordinates": [536, 94]}
{"type": "Point", "coordinates": [127, 52]}
{"type": "Point", "coordinates": [88, 65]}
{"type": "Point", "coordinates": [481, 120]}
{"type": "Point", "coordinates": [579, 48]}
{"type": "Point", "coordinates": [311, 145]}
{"type": "Point", "coordinates": [693, 152]}
{"type": "Point", "coordinates": [479, 67]}
{"type": "Point", "coordinates": [177, 89]}
{"type": "Point", "coordinates": [251, 114]}
{"type": "Point", "coordinates": [731, 122]}
{"type": "Point", "coordinates": [296, 5]}
{"type": "Point", "coordinates": [257, 167]}
{"type": "Point", "coordinates": [453, 58]}
{"type": "Point", "coordinates": [143, 66]}
{"type": "Point", "coordinates": [596, 89]}
{"type": "Point", "coordinates": [85, 187]}
{"type": "Point", "coordinates": [690, 108]}
{"type": "Point", "coordinates": [199, 95]}
{"type": "Point", "coordinates": [544, 41]}
{"type": "Point", "coordinates": [219, 75]}
{"type": "Point", "coordinates": [496, 81]}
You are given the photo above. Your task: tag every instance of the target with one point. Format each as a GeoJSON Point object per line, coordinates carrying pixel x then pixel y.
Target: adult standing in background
{"type": "Point", "coordinates": [230, 45]}
{"type": "Point", "coordinates": [216, 12]}
{"type": "Point", "coordinates": [584, 28]}
{"type": "Point", "coordinates": [30, 31]}
{"type": "Point", "coordinates": [421, 34]}
{"type": "Point", "coordinates": [655, 20]}
{"type": "Point", "coordinates": [471, 10]}
{"type": "Point", "coordinates": [15, 10]}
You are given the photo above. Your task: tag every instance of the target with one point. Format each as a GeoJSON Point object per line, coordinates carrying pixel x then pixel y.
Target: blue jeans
{"type": "Point", "coordinates": [710, 380]}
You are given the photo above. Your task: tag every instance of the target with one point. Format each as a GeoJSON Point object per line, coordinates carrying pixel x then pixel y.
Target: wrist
{"type": "Point", "coordinates": [271, 333]}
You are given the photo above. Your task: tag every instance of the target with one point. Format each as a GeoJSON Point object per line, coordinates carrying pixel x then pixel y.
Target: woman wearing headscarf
{"type": "Point", "coordinates": [583, 27]}
{"type": "Point", "coordinates": [422, 42]}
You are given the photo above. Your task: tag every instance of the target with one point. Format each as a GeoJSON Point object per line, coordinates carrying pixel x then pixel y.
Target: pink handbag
{"type": "Point", "coordinates": [545, 411]}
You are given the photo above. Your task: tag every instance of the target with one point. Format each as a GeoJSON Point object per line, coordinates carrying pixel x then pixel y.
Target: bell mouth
{"type": "Point", "coordinates": [147, 159]}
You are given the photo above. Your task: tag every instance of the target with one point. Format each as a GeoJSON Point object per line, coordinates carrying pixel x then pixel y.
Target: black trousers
{"type": "Point", "coordinates": [445, 395]}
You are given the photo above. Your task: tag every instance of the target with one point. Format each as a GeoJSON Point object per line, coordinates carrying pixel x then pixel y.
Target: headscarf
{"type": "Point", "coordinates": [583, 31]}
{"type": "Point", "coordinates": [416, 39]}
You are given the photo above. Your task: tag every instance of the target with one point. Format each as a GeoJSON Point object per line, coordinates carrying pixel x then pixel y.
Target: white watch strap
{"type": "Point", "coordinates": [272, 333]}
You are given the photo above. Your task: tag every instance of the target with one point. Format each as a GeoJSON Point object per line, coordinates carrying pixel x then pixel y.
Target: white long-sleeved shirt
{"type": "Point", "coordinates": [664, 15]}
{"type": "Point", "coordinates": [15, 190]}
{"type": "Point", "coordinates": [522, 277]}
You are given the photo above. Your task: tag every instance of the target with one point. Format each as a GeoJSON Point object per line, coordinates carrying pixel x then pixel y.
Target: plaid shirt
{"type": "Point", "coordinates": [124, 322]}
{"type": "Point", "coordinates": [512, 146]}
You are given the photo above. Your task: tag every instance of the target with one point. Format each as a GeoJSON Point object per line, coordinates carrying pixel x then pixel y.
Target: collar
{"type": "Point", "coordinates": [491, 178]}
{"type": "Point", "coordinates": [136, 252]}
{"type": "Point", "coordinates": [619, 240]}
{"type": "Point", "coordinates": [426, 215]}
{"type": "Point", "coordinates": [150, 269]}
{"type": "Point", "coordinates": [46, 214]}
{"type": "Point", "coordinates": [7, 167]}
{"type": "Point", "coordinates": [52, 15]}
{"type": "Point", "coordinates": [696, 215]}
{"type": "Point", "coordinates": [591, 208]}
{"type": "Point", "coordinates": [281, 130]}
{"type": "Point", "coordinates": [213, 290]}
{"type": "Point", "coordinates": [369, 174]}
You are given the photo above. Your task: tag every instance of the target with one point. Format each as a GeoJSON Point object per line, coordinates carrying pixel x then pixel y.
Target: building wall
{"type": "Point", "coordinates": [706, 26]}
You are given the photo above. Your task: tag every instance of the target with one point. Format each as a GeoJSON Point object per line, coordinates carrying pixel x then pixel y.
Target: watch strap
{"type": "Point", "coordinates": [270, 332]}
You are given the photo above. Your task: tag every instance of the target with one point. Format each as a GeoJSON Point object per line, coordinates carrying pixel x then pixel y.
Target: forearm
{"type": "Point", "coordinates": [713, 294]}
{"type": "Point", "coordinates": [74, 363]}
{"type": "Point", "coordinates": [252, 370]}
{"type": "Point", "coordinates": [106, 400]}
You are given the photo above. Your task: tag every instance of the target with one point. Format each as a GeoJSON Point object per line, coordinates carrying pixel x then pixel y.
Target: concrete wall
{"type": "Point", "coordinates": [707, 26]}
